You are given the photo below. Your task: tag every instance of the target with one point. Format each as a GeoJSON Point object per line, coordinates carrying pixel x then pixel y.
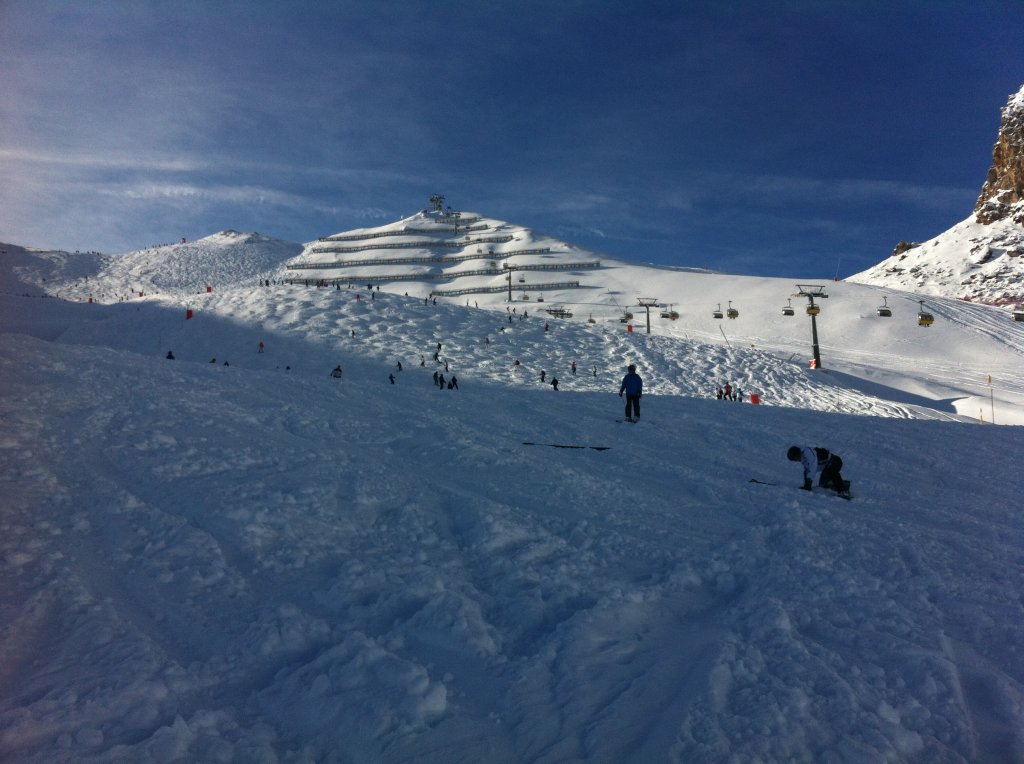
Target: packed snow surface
{"type": "Point", "coordinates": [248, 560]}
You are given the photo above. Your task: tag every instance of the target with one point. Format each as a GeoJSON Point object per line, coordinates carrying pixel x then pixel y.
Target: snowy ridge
{"type": "Point", "coordinates": [228, 258]}
{"type": "Point", "coordinates": [971, 261]}
{"type": "Point", "coordinates": [258, 562]}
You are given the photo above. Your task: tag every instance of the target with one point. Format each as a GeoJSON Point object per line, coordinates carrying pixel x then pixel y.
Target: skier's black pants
{"type": "Point", "coordinates": [830, 477]}
{"type": "Point", "coordinates": [634, 401]}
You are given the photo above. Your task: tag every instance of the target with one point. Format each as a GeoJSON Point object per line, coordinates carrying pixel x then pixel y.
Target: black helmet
{"type": "Point", "coordinates": [793, 454]}
{"type": "Point", "coordinates": [631, 367]}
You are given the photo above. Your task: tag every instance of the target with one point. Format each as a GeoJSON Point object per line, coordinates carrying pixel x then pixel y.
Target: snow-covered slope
{"type": "Point", "coordinates": [228, 258]}
{"type": "Point", "coordinates": [257, 562]}
{"type": "Point", "coordinates": [887, 364]}
{"type": "Point", "coordinates": [971, 261]}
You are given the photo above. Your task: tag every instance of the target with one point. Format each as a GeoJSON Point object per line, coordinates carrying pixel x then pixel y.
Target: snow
{"type": "Point", "coordinates": [1016, 102]}
{"type": "Point", "coordinates": [971, 260]}
{"type": "Point", "coordinates": [256, 562]}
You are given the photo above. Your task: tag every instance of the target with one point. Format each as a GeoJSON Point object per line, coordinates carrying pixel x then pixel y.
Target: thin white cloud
{"type": "Point", "coordinates": [148, 161]}
{"type": "Point", "coordinates": [100, 161]}
{"type": "Point", "coordinates": [788, 189]}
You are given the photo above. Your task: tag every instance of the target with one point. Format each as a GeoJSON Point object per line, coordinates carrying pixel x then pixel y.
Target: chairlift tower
{"type": "Point", "coordinates": [647, 303]}
{"type": "Point", "coordinates": [810, 291]}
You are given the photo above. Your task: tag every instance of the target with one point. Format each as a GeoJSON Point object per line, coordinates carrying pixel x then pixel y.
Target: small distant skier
{"type": "Point", "coordinates": [336, 372]}
{"type": "Point", "coordinates": [815, 460]}
{"type": "Point", "coordinates": [727, 390]}
{"type": "Point", "coordinates": [453, 383]}
{"type": "Point", "coordinates": [260, 349]}
{"type": "Point", "coordinates": [554, 383]}
{"type": "Point", "coordinates": [170, 356]}
{"type": "Point", "coordinates": [543, 374]}
{"type": "Point", "coordinates": [391, 378]}
{"type": "Point", "coordinates": [440, 381]}
{"type": "Point", "coordinates": [399, 365]}
{"type": "Point", "coordinates": [574, 368]}
{"type": "Point", "coordinates": [633, 386]}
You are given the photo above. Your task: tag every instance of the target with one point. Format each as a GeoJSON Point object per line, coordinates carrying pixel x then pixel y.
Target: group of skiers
{"type": "Point", "coordinates": [451, 384]}
{"type": "Point", "coordinates": [728, 393]}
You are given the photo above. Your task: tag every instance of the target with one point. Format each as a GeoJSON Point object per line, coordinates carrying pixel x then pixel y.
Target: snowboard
{"type": "Point", "coordinates": [845, 496]}
{"type": "Point", "coordinates": [566, 445]}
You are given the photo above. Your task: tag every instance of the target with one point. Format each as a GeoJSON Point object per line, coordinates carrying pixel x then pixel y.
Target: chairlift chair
{"type": "Point", "coordinates": [732, 312]}
{"type": "Point", "coordinates": [924, 318]}
{"type": "Point", "coordinates": [813, 310]}
{"type": "Point", "coordinates": [717, 313]}
{"type": "Point", "coordinates": [787, 309]}
{"type": "Point", "coordinates": [522, 279]}
{"type": "Point", "coordinates": [884, 310]}
{"type": "Point", "coordinates": [626, 317]}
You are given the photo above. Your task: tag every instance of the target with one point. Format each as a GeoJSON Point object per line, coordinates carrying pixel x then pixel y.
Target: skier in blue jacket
{"type": "Point", "coordinates": [815, 460]}
{"type": "Point", "coordinates": [633, 386]}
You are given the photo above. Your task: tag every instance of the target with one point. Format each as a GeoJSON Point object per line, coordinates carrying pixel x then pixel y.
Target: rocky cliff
{"type": "Point", "coordinates": [1002, 196]}
{"type": "Point", "coordinates": [981, 258]}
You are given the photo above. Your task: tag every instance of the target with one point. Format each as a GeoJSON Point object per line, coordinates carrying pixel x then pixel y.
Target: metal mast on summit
{"type": "Point", "coordinates": [437, 202]}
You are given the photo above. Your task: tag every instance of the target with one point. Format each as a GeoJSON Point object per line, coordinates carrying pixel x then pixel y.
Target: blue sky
{"type": "Point", "coordinates": [761, 138]}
